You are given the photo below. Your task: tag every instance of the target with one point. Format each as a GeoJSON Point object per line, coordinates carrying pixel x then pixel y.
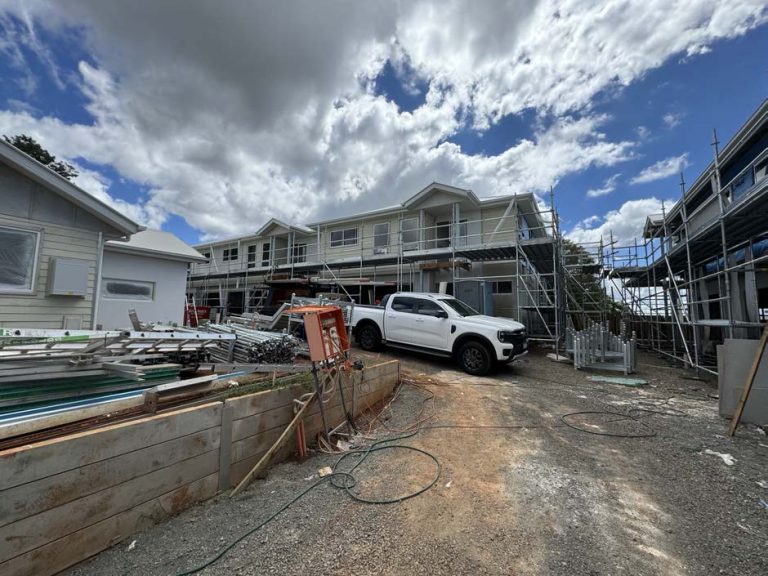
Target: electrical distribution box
{"type": "Point", "coordinates": [325, 331]}
{"type": "Point", "coordinates": [68, 277]}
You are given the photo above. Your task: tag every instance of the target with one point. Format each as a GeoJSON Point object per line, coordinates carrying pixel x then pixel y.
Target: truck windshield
{"type": "Point", "coordinates": [460, 307]}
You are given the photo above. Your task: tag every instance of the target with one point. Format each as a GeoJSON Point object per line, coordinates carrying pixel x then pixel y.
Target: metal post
{"type": "Point", "coordinates": [319, 393]}
{"type": "Point", "coordinates": [690, 292]}
{"type": "Point", "coordinates": [721, 204]}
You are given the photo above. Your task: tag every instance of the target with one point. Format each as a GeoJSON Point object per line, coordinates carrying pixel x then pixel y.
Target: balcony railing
{"type": "Point", "coordinates": [437, 238]}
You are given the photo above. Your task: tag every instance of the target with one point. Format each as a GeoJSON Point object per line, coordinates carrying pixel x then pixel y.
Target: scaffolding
{"type": "Point", "coordinates": [699, 275]}
{"type": "Point", "coordinates": [515, 258]}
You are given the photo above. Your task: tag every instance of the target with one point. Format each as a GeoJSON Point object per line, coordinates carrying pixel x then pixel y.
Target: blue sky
{"type": "Point", "coordinates": [164, 130]}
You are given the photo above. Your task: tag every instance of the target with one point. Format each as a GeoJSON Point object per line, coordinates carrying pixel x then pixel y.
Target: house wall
{"type": "Point", "coordinates": [67, 232]}
{"type": "Point", "coordinates": [169, 278]}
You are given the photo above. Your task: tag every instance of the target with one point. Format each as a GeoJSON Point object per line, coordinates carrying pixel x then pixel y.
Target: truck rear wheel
{"type": "Point", "coordinates": [368, 337]}
{"type": "Point", "coordinates": [474, 358]}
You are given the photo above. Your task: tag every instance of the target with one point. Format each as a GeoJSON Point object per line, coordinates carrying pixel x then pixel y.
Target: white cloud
{"type": "Point", "coordinates": [623, 225]}
{"type": "Point", "coordinates": [608, 186]}
{"type": "Point", "coordinates": [642, 132]}
{"type": "Point", "coordinates": [662, 169]}
{"type": "Point", "coordinates": [671, 120]}
{"type": "Point", "coordinates": [232, 116]}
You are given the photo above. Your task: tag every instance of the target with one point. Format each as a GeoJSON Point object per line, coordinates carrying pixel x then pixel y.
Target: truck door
{"type": "Point", "coordinates": [430, 331]}
{"type": "Point", "coordinates": [399, 320]}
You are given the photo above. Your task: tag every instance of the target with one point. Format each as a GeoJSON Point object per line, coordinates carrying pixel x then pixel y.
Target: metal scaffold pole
{"type": "Point", "coordinates": [721, 204]}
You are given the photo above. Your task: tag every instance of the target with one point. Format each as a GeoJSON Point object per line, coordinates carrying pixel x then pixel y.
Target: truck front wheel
{"type": "Point", "coordinates": [474, 358]}
{"type": "Point", "coordinates": [368, 337]}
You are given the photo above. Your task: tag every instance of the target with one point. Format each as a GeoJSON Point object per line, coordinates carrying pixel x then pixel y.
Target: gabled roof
{"type": "Point", "coordinates": [437, 187]}
{"type": "Point", "coordinates": [159, 244]}
{"type": "Point", "coordinates": [54, 182]}
{"type": "Point", "coordinates": [293, 227]}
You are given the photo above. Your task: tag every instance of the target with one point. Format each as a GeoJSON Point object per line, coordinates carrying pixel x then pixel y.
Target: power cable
{"type": "Point", "coordinates": [342, 479]}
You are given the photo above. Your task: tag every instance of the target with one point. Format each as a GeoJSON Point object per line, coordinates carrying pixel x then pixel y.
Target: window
{"type": "Point", "coordinates": [503, 287]}
{"type": "Point", "coordinates": [118, 289]}
{"type": "Point", "coordinates": [410, 232]}
{"type": "Point", "coordinates": [346, 237]}
{"type": "Point", "coordinates": [428, 308]}
{"type": "Point", "coordinates": [460, 307]}
{"type": "Point", "coordinates": [252, 256]}
{"type": "Point", "coordinates": [299, 253]}
{"type": "Point", "coordinates": [523, 229]}
{"type": "Point", "coordinates": [266, 253]}
{"type": "Point", "coordinates": [206, 254]}
{"type": "Point", "coordinates": [18, 259]}
{"type": "Point", "coordinates": [403, 304]}
{"type": "Point", "coordinates": [380, 237]}
{"type": "Point", "coordinates": [230, 254]}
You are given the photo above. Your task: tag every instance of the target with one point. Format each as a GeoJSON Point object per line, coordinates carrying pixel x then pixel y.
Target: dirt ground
{"type": "Point", "coordinates": [519, 491]}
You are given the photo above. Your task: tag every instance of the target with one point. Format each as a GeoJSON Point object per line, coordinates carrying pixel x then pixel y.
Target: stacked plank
{"type": "Point", "coordinates": [253, 346]}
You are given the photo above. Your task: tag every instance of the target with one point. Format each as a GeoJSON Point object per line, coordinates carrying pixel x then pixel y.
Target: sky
{"type": "Point", "coordinates": [207, 119]}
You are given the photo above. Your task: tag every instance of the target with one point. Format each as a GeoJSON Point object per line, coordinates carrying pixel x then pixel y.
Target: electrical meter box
{"type": "Point", "coordinates": [68, 277]}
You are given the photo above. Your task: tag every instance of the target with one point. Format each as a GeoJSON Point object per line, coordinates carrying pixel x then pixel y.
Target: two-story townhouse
{"type": "Point", "coordinates": [442, 234]}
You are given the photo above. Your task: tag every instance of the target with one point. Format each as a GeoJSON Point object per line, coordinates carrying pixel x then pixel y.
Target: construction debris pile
{"type": "Point", "coordinates": [253, 346]}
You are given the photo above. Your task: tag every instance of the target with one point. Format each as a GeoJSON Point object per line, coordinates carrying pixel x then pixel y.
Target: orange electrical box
{"type": "Point", "coordinates": [326, 332]}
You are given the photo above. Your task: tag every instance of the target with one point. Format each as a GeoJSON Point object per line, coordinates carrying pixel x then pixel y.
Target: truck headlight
{"type": "Point", "coordinates": [511, 336]}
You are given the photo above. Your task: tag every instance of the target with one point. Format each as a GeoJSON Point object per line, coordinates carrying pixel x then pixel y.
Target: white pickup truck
{"type": "Point", "coordinates": [442, 325]}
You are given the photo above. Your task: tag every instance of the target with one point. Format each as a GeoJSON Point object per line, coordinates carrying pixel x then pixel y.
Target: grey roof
{"type": "Point", "coordinates": [60, 185]}
{"type": "Point", "coordinates": [159, 244]}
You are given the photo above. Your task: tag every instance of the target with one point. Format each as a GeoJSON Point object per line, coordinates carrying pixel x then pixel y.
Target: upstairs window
{"type": "Point", "coordinates": [18, 260]}
{"type": "Point", "coordinates": [252, 256]}
{"type": "Point", "coordinates": [230, 254]}
{"type": "Point", "coordinates": [380, 237]}
{"type": "Point", "coordinates": [299, 253]}
{"type": "Point", "coordinates": [410, 233]}
{"type": "Point", "coordinates": [266, 254]}
{"type": "Point", "coordinates": [346, 237]}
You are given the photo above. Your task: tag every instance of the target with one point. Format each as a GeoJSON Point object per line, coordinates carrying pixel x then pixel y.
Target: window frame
{"type": "Point", "coordinates": [266, 249]}
{"type": "Point", "coordinates": [344, 241]}
{"type": "Point", "coordinates": [419, 302]}
{"type": "Point", "coordinates": [299, 253]}
{"type": "Point", "coordinates": [410, 300]}
{"type": "Point", "coordinates": [379, 248]}
{"type": "Point", "coordinates": [127, 297]}
{"type": "Point", "coordinates": [250, 255]}
{"type": "Point", "coordinates": [38, 233]}
{"type": "Point", "coordinates": [410, 245]}
{"type": "Point", "coordinates": [230, 254]}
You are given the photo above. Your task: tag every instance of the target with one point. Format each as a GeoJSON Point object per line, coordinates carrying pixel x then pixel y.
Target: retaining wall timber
{"type": "Point", "coordinates": [66, 499]}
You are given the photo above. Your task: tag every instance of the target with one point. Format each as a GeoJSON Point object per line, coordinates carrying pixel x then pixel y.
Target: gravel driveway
{"type": "Point", "coordinates": [519, 491]}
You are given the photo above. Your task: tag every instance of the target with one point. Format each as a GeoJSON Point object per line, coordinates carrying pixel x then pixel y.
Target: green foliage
{"type": "Point", "coordinates": [584, 287]}
{"type": "Point", "coordinates": [32, 147]}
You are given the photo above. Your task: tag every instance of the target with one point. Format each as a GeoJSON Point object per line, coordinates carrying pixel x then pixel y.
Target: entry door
{"type": "Point", "coordinates": [429, 330]}
{"type": "Point", "coordinates": [399, 320]}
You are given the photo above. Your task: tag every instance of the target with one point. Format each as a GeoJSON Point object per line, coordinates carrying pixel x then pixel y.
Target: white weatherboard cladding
{"type": "Point", "coordinates": [168, 278]}
{"type": "Point", "coordinates": [38, 309]}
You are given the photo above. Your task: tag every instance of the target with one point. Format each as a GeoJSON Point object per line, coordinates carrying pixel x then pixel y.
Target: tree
{"type": "Point", "coordinates": [585, 290]}
{"type": "Point", "coordinates": [32, 148]}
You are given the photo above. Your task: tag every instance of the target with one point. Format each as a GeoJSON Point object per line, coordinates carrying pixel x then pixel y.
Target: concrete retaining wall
{"type": "Point", "coordinates": [69, 498]}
